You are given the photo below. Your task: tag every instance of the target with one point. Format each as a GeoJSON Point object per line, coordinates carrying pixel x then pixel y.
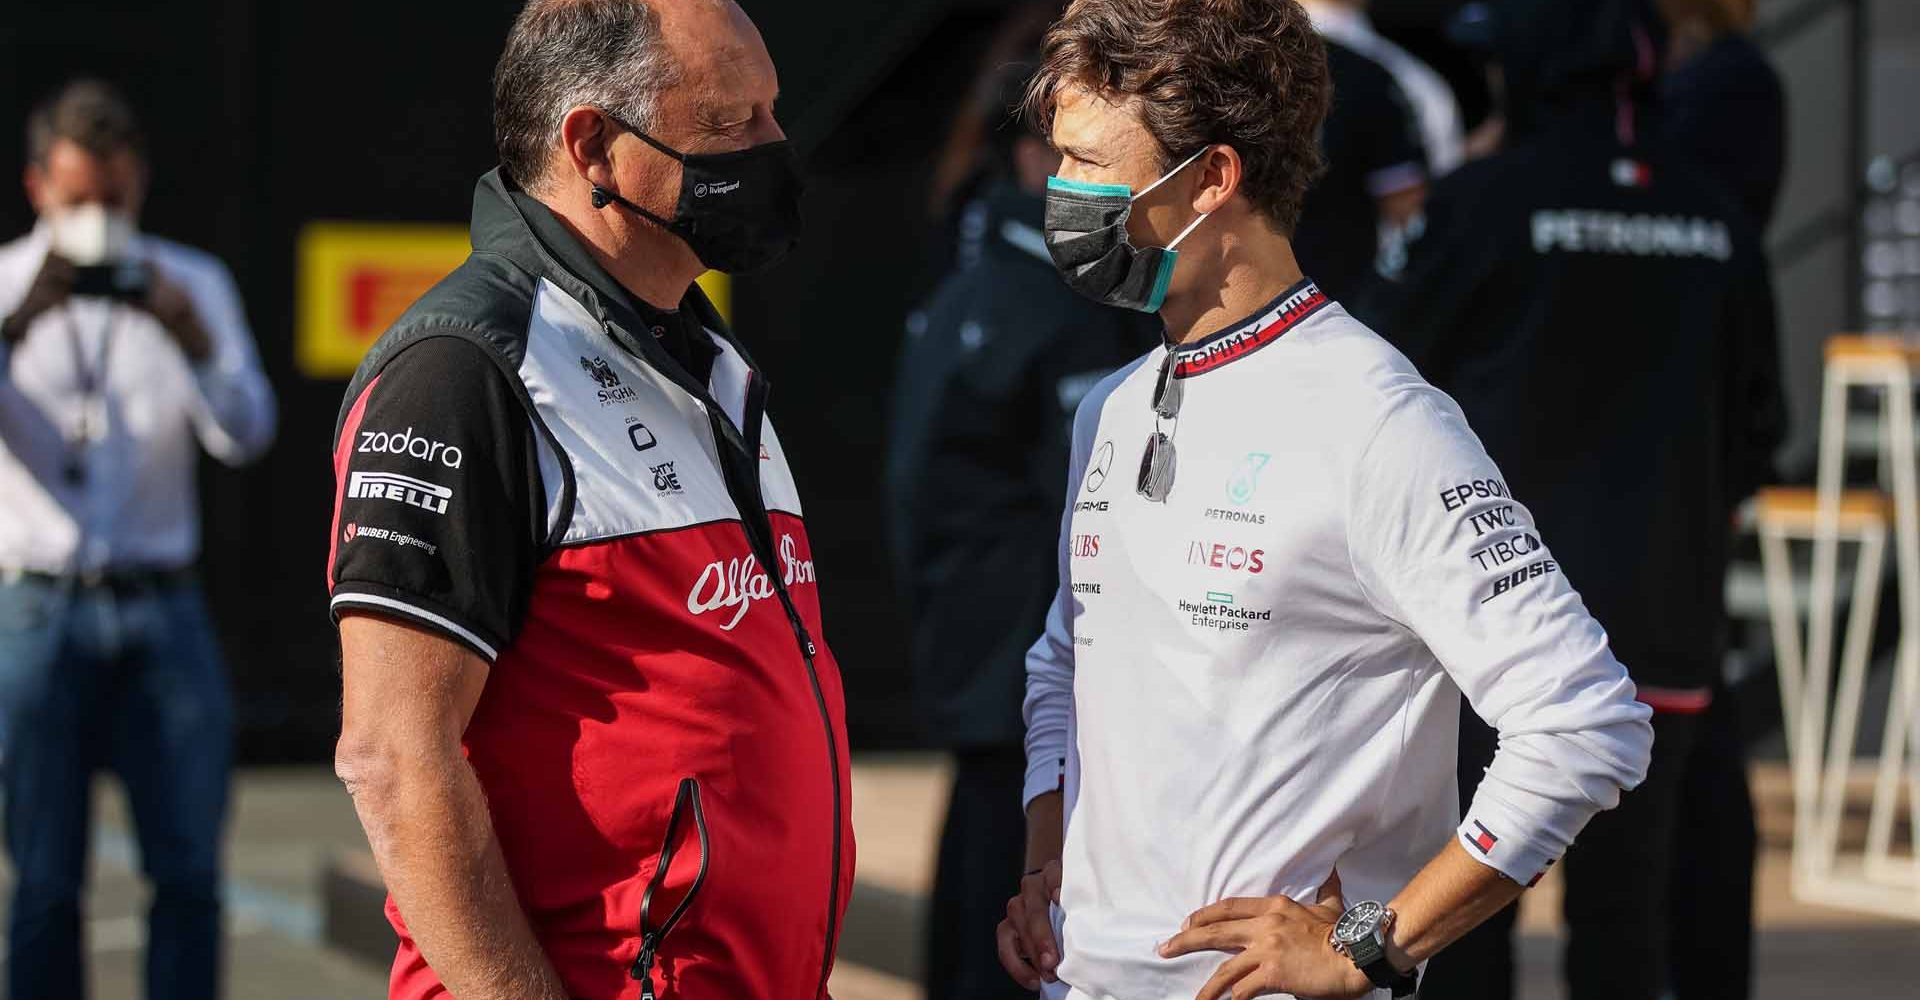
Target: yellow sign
{"type": "Point", "coordinates": [356, 278]}
{"type": "Point", "coordinates": [719, 289]}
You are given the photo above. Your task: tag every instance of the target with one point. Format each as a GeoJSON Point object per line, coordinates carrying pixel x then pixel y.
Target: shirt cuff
{"type": "Point", "coordinates": [1496, 837]}
{"type": "Point", "coordinates": [1044, 774]}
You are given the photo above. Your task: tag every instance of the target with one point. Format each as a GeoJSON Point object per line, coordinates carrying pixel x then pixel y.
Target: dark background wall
{"type": "Point", "coordinates": [264, 116]}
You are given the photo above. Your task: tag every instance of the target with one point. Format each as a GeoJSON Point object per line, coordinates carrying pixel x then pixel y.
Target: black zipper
{"type": "Point", "coordinates": [759, 530]}
{"type": "Point", "coordinates": [833, 767]}
{"type": "Point", "coordinates": [688, 794]}
{"type": "Point", "coordinates": [739, 450]}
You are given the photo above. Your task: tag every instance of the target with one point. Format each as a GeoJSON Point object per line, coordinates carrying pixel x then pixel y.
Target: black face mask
{"type": "Point", "coordinates": [1086, 231]}
{"type": "Point", "coordinates": [738, 212]}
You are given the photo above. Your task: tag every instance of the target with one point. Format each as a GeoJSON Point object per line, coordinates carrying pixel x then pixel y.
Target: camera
{"type": "Point", "coordinates": [126, 280]}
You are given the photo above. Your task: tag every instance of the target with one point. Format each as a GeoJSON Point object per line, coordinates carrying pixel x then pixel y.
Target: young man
{"type": "Point", "coordinates": [1241, 716]}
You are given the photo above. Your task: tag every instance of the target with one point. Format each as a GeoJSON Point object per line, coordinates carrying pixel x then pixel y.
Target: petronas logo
{"type": "Point", "coordinates": [1245, 480]}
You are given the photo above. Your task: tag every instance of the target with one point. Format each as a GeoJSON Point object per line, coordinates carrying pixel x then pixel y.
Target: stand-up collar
{"type": "Point", "coordinates": [514, 224]}
{"type": "Point", "coordinates": [1218, 350]}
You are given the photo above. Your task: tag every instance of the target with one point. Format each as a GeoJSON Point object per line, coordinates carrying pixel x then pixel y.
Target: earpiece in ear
{"type": "Point", "coordinates": [601, 197]}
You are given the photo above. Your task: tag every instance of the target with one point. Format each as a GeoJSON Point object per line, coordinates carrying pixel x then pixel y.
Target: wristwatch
{"type": "Point", "coordinates": [1361, 935]}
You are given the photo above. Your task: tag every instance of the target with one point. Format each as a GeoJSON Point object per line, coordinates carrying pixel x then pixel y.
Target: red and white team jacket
{"type": "Point", "coordinates": [523, 466]}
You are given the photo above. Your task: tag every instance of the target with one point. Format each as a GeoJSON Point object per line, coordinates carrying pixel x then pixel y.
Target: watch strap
{"type": "Point", "coordinates": [1370, 955]}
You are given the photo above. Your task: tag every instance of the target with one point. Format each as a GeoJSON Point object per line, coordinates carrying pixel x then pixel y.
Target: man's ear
{"type": "Point", "coordinates": [1217, 178]}
{"type": "Point", "coordinates": [585, 136]}
{"type": "Point", "coordinates": [34, 179]}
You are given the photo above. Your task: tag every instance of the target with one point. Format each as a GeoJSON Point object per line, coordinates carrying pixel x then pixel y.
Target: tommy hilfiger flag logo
{"type": "Point", "coordinates": [1485, 839]}
{"type": "Point", "coordinates": [1535, 880]}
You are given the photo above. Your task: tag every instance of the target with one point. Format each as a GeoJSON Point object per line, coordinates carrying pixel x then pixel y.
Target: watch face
{"type": "Point", "coordinates": [1359, 922]}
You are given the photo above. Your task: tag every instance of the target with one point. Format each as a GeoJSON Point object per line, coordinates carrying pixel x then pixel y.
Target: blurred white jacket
{"type": "Point", "coordinates": [1441, 130]}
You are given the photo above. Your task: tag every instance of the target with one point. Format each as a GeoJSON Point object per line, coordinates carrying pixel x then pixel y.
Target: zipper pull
{"type": "Point", "coordinates": [643, 968]}
{"type": "Point", "coordinates": [800, 629]}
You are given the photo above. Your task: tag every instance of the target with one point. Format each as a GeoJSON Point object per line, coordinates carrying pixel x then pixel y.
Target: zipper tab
{"type": "Point", "coordinates": [643, 968]}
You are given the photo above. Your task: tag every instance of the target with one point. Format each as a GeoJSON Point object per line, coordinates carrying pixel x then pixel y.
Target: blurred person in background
{"type": "Point", "coordinates": [1435, 109]}
{"type": "Point", "coordinates": [1601, 310]}
{"type": "Point", "coordinates": [589, 718]}
{"type": "Point", "coordinates": [1722, 104]}
{"type": "Point", "coordinates": [965, 162]}
{"type": "Point", "coordinates": [122, 356]}
{"type": "Point", "coordinates": [1350, 233]}
{"type": "Point", "coordinates": [993, 367]}
{"type": "Point", "coordinates": [1280, 565]}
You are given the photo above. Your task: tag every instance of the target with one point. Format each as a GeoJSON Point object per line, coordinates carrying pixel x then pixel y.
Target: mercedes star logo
{"type": "Point", "coordinates": [1102, 463]}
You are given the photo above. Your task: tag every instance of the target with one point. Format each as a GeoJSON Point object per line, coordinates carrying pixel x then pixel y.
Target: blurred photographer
{"type": "Point", "coordinates": [122, 355]}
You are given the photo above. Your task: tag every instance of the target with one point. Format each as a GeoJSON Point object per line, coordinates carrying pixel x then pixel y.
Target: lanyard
{"type": "Point", "coordinates": [92, 379]}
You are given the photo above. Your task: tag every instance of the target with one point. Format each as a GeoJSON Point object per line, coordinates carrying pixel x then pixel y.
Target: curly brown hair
{"type": "Point", "coordinates": [1251, 74]}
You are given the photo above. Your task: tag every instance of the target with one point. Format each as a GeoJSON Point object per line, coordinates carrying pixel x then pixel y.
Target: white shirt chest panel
{"type": "Point", "coordinates": [643, 453]}
{"type": "Point", "coordinates": [1204, 596]}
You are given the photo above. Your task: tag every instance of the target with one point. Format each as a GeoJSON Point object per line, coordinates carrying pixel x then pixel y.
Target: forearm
{"type": "Point", "coordinates": [1046, 830]}
{"type": "Point", "coordinates": [434, 842]}
{"type": "Point", "coordinates": [1452, 895]}
{"type": "Point", "coordinates": [240, 413]}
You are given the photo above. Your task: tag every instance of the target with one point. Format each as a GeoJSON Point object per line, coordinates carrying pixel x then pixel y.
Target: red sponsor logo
{"type": "Point", "coordinates": [1237, 558]}
{"type": "Point", "coordinates": [351, 530]}
{"type": "Point", "coordinates": [1086, 546]}
{"type": "Point", "coordinates": [1485, 839]}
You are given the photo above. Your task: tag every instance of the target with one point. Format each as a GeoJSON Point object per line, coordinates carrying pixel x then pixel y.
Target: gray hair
{"type": "Point", "coordinates": [562, 54]}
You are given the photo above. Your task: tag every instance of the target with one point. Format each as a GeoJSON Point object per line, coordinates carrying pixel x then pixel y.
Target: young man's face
{"type": "Point", "coordinates": [1103, 142]}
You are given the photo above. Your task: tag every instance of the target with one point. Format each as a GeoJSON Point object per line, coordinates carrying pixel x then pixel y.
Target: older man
{"type": "Point", "coordinates": [589, 725]}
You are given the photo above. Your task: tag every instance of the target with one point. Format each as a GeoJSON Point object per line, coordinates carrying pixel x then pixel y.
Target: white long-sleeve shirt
{"type": "Point", "coordinates": [136, 506]}
{"type": "Point", "coordinates": [1257, 680]}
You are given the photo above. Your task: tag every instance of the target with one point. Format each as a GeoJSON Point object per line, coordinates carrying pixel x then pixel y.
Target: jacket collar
{"type": "Point", "coordinates": [513, 224]}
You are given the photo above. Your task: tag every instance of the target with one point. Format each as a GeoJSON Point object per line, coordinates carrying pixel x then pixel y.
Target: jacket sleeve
{"type": "Point", "coordinates": [1442, 548]}
{"type": "Point", "coordinates": [1756, 418]}
{"type": "Point", "coordinates": [1049, 703]}
{"type": "Point", "coordinates": [439, 503]}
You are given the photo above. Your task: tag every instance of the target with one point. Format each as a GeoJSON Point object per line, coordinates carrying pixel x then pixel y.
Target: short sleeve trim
{"type": "Point", "coordinates": [415, 611]}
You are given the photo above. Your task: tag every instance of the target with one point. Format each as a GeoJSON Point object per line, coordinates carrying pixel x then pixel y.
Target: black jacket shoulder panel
{"type": "Point", "coordinates": [487, 301]}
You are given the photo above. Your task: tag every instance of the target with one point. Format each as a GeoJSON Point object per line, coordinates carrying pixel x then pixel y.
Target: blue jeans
{"type": "Point", "coordinates": [127, 678]}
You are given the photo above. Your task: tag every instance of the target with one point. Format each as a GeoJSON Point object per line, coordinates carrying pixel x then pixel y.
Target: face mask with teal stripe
{"type": "Point", "coordinates": [1086, 231]}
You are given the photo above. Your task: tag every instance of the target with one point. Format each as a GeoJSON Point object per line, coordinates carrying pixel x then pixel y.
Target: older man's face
{"type": "Point", "coordinates": [722, 103]}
